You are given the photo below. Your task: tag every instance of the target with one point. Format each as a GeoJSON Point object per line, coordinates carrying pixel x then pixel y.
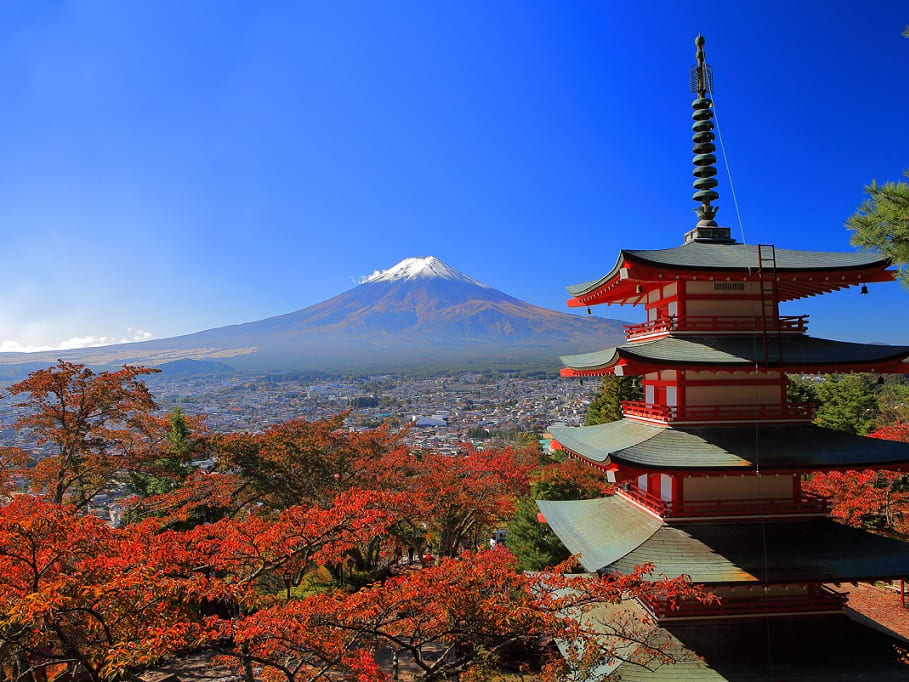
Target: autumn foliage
{"type": "Point", "coordinates": [222, 561]}
{"type": "Point", "coordinates": [97, 426]}
{"type": "Point", "coordinates": [872, 498]}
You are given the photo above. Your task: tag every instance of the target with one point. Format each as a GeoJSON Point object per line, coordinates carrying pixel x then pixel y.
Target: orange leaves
{"type": "Point", "coordinates": [12, 463]}
{"type": "Point", "coordinates": [450, 616]}
{"type": "Point", "coordinates": [300, 462]}
{"type": "Point", "coordinates": [898, 432]}
{"type": "Point", "coordinates": [70, 586]}
{"type": "Point", "coordinates": [859, 498]}
{"type": "Point", "coordinates": [124, 597]}
{"type": "Point", "coordinates": [457, 498]}
{"type": "Point", "coordinates": [89, 419]}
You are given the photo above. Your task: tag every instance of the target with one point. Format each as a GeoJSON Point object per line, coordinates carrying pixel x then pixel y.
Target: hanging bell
{"type": "Point", "coordinates": [639, 289]}
{"type": "Point", "coordinates": [864, 289]}
{"type": "Point", "coordinates": [588, 310]}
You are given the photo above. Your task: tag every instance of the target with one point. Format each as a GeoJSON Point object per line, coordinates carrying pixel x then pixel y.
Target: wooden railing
{"type": "Point", "coordinates": [717, 324]}
{"type": "Point", "coordinates": [645, 499]}
{"type": "Point", "coordinates": [824, 599]}
{"type": "Point", "coordinates": [671, 414]}
{"type": "Point", "coordinates": [807, 504]}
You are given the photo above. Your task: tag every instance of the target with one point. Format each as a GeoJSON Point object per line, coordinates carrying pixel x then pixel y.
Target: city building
{"type": "Point", "coordinates": [709, 466]}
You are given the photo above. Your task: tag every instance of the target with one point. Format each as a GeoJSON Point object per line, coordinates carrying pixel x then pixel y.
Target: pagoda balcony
{"type": "Point", "coordinates": [822, 601]}
{"type": "Point", "coordinates": [712, 414]}
{"type": "Point", "coordinates": [808, 504]}
{"type": "Point", "coordinates": [786, 324]}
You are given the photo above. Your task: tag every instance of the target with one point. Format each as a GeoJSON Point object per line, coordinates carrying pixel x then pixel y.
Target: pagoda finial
{"type": "Point", "coordinates": [704, 160]}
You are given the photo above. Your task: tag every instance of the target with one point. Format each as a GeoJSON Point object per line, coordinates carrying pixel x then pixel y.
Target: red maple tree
{"type": "Point", "coordinates": [90, 421]}
{"type": "Point", "coordinates": [874, 498]}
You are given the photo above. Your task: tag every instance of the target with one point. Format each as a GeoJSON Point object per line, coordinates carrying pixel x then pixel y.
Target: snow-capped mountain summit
{"type": "Point", "coordinates": [417, 268]}
{"type": "Point", "coordinates": [421, 312]}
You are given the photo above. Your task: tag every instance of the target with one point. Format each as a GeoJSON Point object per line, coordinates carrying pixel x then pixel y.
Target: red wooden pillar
{"type": "Point", "coordinates": [653, 484]}
{"type": "Point", "coordinates": [796, 487]}
{"type": "Point", "coordinates": [678, 494]}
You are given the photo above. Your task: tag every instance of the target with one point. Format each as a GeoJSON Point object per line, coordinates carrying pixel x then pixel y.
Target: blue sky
{"type": "Point", "coordinates": [173, 166]}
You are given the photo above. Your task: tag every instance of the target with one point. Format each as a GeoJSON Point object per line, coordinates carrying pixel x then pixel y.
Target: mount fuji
{"type": "Point", "coordinates": [420, 312]}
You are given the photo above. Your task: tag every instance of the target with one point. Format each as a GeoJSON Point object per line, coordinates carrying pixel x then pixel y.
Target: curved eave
{"type": "Point", "coordinates": [815, 550]}
{"type": "Point", "coordinates": [614, 534]}
{"type": "Point", "coordinates": [586, 288]}
{"type": "Point", "coordinates": [816, 650]}
{"type": "Point", "coordinates": [799, 354]}
{"type": "Point", "coordinates": [640, 447]}
{"type": "Point", "coordinates": [620, 285]}
{"type": "Point", "coordinates": [602, 530]}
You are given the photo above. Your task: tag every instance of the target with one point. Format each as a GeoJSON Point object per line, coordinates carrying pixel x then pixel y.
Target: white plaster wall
{"type": "Point", "coordinates": [665, 487]}
{"type": "Point", "coordinates": [732, 395]}
{"type": "Point", "coordinates": [736, 487]}
{"type": "Point", "coordinates": [732, 308]}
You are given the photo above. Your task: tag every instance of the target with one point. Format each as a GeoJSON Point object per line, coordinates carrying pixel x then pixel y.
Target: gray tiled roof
{"type": "Point", "coordinates": [787, 649]}
{"type": "Point", "coordinates": [794, 446]}
{"type": "Point", "coordinates": [611, 533]}
{"type": "Point", "coordinates": [706, 256]}
{"type": "Point", "coordinates": [815, 550]}
{"type": "Point", "coordinates": [601, 530]}
{"type": "Point", "coordinates": [736, 350]}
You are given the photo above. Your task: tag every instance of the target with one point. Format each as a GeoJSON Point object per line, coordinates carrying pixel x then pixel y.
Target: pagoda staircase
{"type": "Point", "coordinates": [770, 303]}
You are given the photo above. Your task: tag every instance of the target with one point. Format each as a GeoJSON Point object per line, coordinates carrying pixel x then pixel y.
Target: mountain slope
{"type": "Point", "coordinates": [419, 312]}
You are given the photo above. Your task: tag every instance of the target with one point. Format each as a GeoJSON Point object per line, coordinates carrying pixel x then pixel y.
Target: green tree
{"type": "Point", "coordinates": [532, 542]}
{"type": "Point", "coordinates": [848, 402]}
{"type": "Point", "coordinates": [168, 472]}
{"type": "Point", "coordinates": [882, 223]}
{"type": "Point", "coordinates": [801, 391]}
{"type": "Point", "coordinates": [893, 401]}
{"type": "Point", "coordinates": [478, 432]}
{"type": "Point", "coordinates": [606, 405]}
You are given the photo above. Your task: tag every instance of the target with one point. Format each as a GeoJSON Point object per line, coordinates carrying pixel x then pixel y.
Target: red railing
{"type": "Point", "coordinates": [808, 503]}
{"type": "Point", "coordinates": [671, 414]}
{"type": "Point", "coordinates": [787, 324]}
{"type": "Point", "coordinates": [824, 599]}
{"type": "Point", "coordinates": [645, 499]}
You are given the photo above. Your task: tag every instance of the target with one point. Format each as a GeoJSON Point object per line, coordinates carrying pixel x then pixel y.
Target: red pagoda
{"type": "Point", "coordinates": [709, 466]}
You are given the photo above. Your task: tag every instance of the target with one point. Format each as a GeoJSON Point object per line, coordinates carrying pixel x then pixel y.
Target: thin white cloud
{"type": "Point", "coordinates": [16, 347]}
{"type": "Point", "coordinates": [137, 335]}
{"type": "Point", "coordinates": [134, 334]}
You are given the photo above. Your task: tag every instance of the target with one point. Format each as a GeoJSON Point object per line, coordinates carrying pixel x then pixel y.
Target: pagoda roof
{"type": "Point", "coordinates": [799, 447]}
{"type": "Point", "coordinates": [717, 257]}
{"type": "Point", "coordinates": [718, 553]}
{"type": "Point", "coordinates": [807, 648]}
{"type": "Point", "coordinates": [602, 530]}
{"type": "Point", "coordinates": [734, 352]}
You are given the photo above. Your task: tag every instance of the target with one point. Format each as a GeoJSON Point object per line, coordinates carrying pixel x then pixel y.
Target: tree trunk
{"type": "Point", "coordinates": [248, 675]}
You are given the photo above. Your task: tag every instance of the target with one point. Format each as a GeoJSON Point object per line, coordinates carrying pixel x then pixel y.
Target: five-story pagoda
{"type": "Point", "coordinates": [709, 466]}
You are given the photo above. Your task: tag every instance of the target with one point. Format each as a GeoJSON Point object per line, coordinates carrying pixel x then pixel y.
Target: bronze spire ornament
{"type": "Point", "coordinates": [704, 160]}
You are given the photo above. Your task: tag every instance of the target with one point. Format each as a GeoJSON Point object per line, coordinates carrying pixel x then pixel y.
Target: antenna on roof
{"type": "Point", "coordinates": [701, 77]}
